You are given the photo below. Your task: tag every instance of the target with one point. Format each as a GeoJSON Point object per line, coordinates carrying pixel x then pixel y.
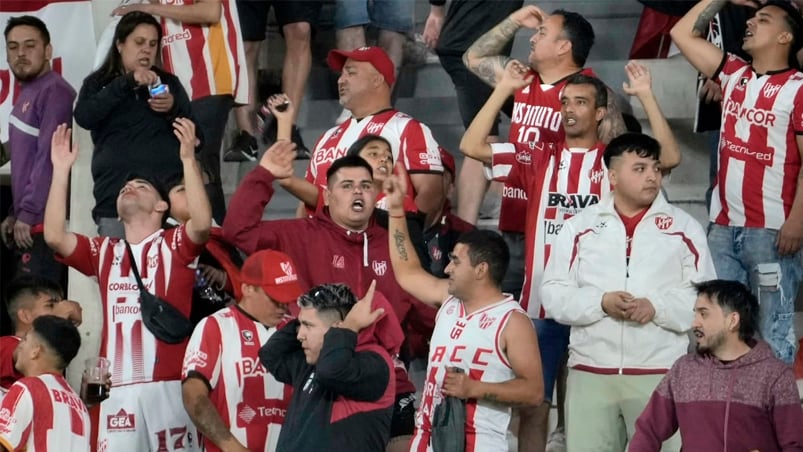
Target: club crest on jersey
{"type": "Point", "coordinates": [596, 175]}
{"type": "Point", "coordinates": [121, 422]}
{"type": "Point", "coordinates": [248, 336]}
{"type": "Point", "coordinates": [380, 267]}
{"type": "Point", "coordinates": [486, 321]}
{"type": "Point", "coordinates": [436, 253]}
{"type": "Point", "coordinates": [338, 261]}
{"type": "Point", "coordinates": [771, 89]}
{"type": "Point", "coordinates": [374, 127]}
{"type": "Point", "coordinates": [663, 222]}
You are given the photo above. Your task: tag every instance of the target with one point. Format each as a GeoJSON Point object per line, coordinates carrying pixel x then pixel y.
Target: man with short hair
{"type": "Point", "coordinates": [341, 242]}
{"type": "Point", "coordinates": [479, 329]}
{"type": "Point", "coordinates": [144, 411]}
{"type": "Point", "coordinates": [235, 403]}
{"type": "Point", "coordinates": [41, 411]}
{"type": "Point", "coordinates": [620, 274]}
{"type": "Point", "coordinates": [733, 394]}
{"type": "Point", "coordinates": [338, 357]}
{"type": "Point", "coordinates": [27, 298]}
{"type": "Point", "coordinates": [757, 197]}
{"type": "Point", "coordinates": [45, 100]}
{"type": "Point", "coordinates": [367, 76]}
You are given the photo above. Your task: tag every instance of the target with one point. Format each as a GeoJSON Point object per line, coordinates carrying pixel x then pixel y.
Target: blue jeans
{"type": "Point", "coordinates": [748, 255]}
{"type": "Point", "coordinates": [393, 15]}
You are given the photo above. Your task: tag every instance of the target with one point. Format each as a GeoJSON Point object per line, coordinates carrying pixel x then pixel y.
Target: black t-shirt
{"type": "Point", "coordinates": [467, 20]}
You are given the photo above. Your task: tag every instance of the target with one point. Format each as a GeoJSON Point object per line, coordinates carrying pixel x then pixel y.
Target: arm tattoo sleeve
{"type": "Point", "coordinates": [704, 19]}
{"type": "Point", "coordinates": [399, 238]}
{"type": "Point", "coordinates": [487, 50]}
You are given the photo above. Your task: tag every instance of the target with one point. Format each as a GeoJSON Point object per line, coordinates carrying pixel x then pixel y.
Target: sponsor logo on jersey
{"type": "Point", "coordinates": [514, 193]}
{"type": "Point", "coordinates": [121, 422]}
{"type": "Point", "coordinates": [248, 336]}
{"type": "Point", "coordinates": [742, 152]}
{"type": "Point", "coordinates": [571, 201]}
{"type": "Point", "coordinates": [250, 367]}
{"type": "Point", "coordinates": [194, 360]}
{"type": "Point", "coordinates": [185, 35]}
{"type": "Point", "coordinates": [7, 421]}
{"type": "Point", "coordinates": [755, 116]}
{"type": "Point", "coordinates": [663, 222]}
{"type": "Point", "coordinates": [524, 157]}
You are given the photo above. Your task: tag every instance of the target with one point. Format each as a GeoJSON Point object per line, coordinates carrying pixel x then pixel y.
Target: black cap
{"type": "Point", "coordinates": [154, 182]}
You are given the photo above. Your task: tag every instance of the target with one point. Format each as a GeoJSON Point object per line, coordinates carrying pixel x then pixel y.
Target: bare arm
{"type": "Point", "coordinates": [521, 348]}
{"type": "Point", "coordinates": [790, 236]}
{"type": "Point", "coordinates": [428, 195]}
{"type": "Point", "coordinates": [689, 34]}
{"type": "Point", "coordinates": [612, 124]}
{"type": "Point", "coordinates": [484, 58]}
{"type": "Point", "coordinates": [406, 266]}
{"type": "Point", "coordinates": [56, 235]}
{"type": "Point", "coordinates": [640, 85]}
{"type": "Point", "coordinates": [200, 12]}
{"type": "Point", "coordinates": [195, 394]}
{"type": "Point", "coordinates": [302, 189]}
{"type": "Point", "coordinates": [200, 221]}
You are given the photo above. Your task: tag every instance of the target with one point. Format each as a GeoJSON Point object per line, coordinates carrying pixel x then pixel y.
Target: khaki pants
{"type": "Point", "coordinates": [601, 410]}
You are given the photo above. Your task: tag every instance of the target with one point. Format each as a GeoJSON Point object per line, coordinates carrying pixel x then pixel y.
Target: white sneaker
{"type": "Point", "coordinates": [344, 116]}
{"type": "Point", "coordinates": [556, 441]}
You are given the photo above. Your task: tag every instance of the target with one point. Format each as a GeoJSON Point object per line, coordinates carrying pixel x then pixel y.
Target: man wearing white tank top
{"type": "Point", "coordinates": [478, 330]}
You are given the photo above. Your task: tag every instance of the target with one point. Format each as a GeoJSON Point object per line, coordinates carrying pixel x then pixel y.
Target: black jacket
{"type": "Point", "coordinates": [129, 137]}
{"type": "Point", "coordinates": [342, 403]}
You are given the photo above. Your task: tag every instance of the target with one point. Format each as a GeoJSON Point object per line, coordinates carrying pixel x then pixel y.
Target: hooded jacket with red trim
{"type": "Point", "coordinates": [323, 251]}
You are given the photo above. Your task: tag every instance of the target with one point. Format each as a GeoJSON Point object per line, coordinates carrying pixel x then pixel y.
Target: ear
{"type": "Point", "coordinates": [600, 113]}
{"type": "Point", "coordinates": [481, 270]}
{"type": "Point", "coordinates": [24, 316]}
{"type": "Point", "coordinates": [161, 206]}
{"type": "Point", "coordinates": [565, 47]}
{"type": "Point", "coordinates": [48, 52]}
{"type": "Point", "coordinates": [119, 46]}
{"type": "Point", "coordinates": [326, 195]}
{"type": "Point", "coordinates": [612, 177]}
{"type": "Point", "coordinates": [785, 38]}
{"type": "Point", "coordinates": [734, 319]}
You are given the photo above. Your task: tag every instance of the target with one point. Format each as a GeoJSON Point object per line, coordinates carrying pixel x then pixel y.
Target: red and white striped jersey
{"type": "Point", "coordinates": [208, 59]}
{"type": "Point", "coordinates": [43, 413]}
{"type": "Point", "coordinates": [536, 119]}
{"type": "Point", "coordinates": [410, 141]}
{"type": "Point", "coordinates": [558, 185]}
{"type": "Point", "coordinates": [471, 342]}
{"type": "Point", "coordinates": [224, 351]}
{"type": "Point", "coordinates": [166, 263]}
{"type": "Point", "coordinates": [759, 161]}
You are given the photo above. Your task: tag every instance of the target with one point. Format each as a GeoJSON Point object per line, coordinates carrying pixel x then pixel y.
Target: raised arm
{"type": "Point", "coordinates": [520, 345]}
{"type": "Point", "coordinates": [485, 59]}
{"type": "Point", "coordinates": [56, 235]}
{"type": "Point", "coordinates": [200, 12]}
{"type": "Point", "coordinates": [474, 143]}
{"type": "Point", "coordinates": [200, 221]}
{"type": "Point", "coordinates": [639, 84]}
{"type": "Point", "coordinates": [407, 268]}
{"type": "Point", "coordinates": [689, 34]}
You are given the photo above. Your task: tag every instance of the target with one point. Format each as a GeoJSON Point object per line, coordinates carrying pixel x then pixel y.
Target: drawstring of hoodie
{"type": "Point", "coordinates": [727, 411]}
{"type": "Point", "coordinates": [364, 249]}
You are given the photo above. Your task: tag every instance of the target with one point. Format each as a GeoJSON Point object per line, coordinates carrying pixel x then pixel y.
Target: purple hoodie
{"type": "Point", "coordinates": [748, 404]}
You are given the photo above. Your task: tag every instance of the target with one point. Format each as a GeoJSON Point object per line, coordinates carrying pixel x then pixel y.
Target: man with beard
{"type": "Point", "coordinates": [732, 382]}
{"type": "Point", "coordinates": [44, 101]}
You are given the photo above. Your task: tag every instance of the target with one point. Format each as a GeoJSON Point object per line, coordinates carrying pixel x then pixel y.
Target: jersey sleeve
{"type": "Point", "coordinates": [86, 256]}
{"type": "Point", "coordinates": [16, 417]}
{"type": "Point", "coordinates": [8, 374]}
{"type": "Point", "coordinates": [503, 159]}
{"type": "Point", "coordinates": [203, 354]}
{"type": "Point", "coordinates": [418, 149]}
{"type": "Point", "coordinates": [729, 65]}
{"type": "Point", "coordinates": [185, 250]}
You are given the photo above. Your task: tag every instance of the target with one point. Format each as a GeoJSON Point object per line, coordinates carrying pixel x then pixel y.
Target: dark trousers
{"type": "Point", "coordinates": [211, 114]}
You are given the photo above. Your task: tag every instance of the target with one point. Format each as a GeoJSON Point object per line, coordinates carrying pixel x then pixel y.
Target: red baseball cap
{"type": "Point", "coordinates": [275, 273]}
{"type": "Point", "coordinates": [374, 55]}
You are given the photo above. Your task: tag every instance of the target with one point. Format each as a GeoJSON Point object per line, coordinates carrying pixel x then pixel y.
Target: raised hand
{"type": "Point", "coordinates": [395, 188]}
{"type": "Point", "coordinates": [278, 159]}
{"type": "Point", "coordinates": [529, 16]}
{"type": "Point", "coordinates": [145, 76]}
{"type": "Point", "coordinates": [62, 155]}
{"type": "Point", "coordinates": [276, 102]}
{"type": "Point", "coordinates": [639, 79]}
{"type": "Point", "coordinates": [362, 313]}
{"type": "Point", "coordinates": [515, 77]}
{"type": "Point", "coordinates": [184, 130]}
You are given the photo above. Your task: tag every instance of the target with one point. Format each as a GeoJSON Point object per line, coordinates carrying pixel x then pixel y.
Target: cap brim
{"type": "Point", "coordinates": [336, 59]}
{"type": "Point", "coordinates": [285, 293]}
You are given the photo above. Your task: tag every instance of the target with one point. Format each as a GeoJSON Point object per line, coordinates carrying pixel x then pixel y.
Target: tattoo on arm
{"type": "Point", "coordinates": [704, 19]}
{"type": "Point", "coordinates": [399, 238]}
{"type": "Point", "coordinates": [488, 48]}
{"type": "Point", "coordinates": [612, 125]}
{"type": "Point", "coordinates": [493, 398]}
{"type": "Point", "coordinates": [208, 420]}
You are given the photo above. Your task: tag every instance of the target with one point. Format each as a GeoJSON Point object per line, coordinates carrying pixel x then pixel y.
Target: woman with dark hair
{"type": "Point", "coordinates": [129, 105]}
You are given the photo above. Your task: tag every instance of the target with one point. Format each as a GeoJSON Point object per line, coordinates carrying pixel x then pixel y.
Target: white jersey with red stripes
{"type": "Point", "coordinates": [759, 161]}
{"type": "Point", "coordinates": [558, 185]}
{"type": "Point", "coordinates": [224, 351]}
{"type": "Point", "coordinates": [166, 263]}
{"type": "Point", "coordinates": [410, 141]}
{"type": "Point", "coordinates": [471, 342]}
{"type": "Point", "coordinates": [43, 413]}
{"type": "Point", "coordinates": [536, 119]}
{"type": "Point", "coordinates": [208, 59]}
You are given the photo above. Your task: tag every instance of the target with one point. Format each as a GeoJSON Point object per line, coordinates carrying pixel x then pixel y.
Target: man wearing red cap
{"type": "Point", "coordinates": [364, 87]}
{"type": "Point", "coordinates": [235, 403]}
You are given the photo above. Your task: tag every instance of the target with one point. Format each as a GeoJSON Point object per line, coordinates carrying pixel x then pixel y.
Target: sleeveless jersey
{"type": "Point", "coordinates": [471, 342]}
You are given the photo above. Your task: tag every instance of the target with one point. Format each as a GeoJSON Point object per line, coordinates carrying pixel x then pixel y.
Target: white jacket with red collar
{"type": "Point", "coordinates": [668, 253]}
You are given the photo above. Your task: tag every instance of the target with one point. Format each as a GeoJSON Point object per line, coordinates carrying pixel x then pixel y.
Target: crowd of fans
{"type": "Point", "coordinates": [227, 331]}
